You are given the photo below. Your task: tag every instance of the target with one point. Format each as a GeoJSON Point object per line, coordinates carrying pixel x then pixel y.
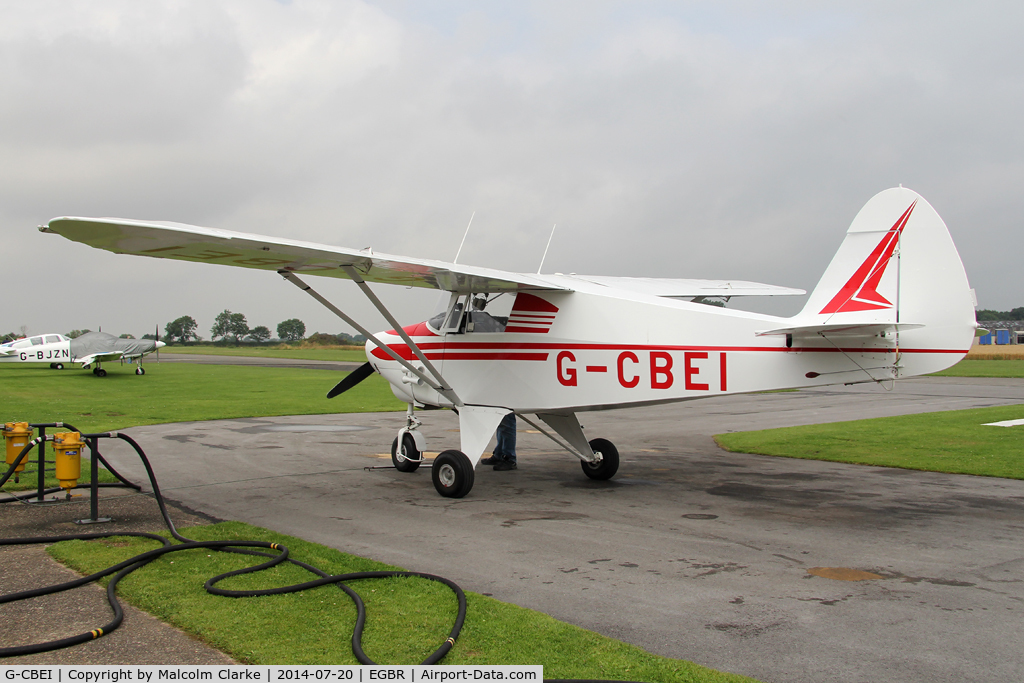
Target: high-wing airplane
{"type": "Point", "coordinates": [894, 302]}
{"type": "Point", "coordinates": [91, 349]}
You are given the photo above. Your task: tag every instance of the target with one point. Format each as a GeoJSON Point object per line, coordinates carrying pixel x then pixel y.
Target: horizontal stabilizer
{"type": "Point", "coordinates": [872, 329]}
{"type": "Point", "coordinates": [686, 288]}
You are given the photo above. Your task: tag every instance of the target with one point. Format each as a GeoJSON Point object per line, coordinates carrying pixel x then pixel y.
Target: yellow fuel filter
{"type": "Point", "coordinates": [17, 435]}
{"type": "Point", "coordinates": [68, 448]}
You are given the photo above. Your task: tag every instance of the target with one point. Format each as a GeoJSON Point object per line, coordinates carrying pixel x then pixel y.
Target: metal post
{"type": "Point", "coordinates": [41, 478]}
{"type": "Point", "coordinates": [94, 503]}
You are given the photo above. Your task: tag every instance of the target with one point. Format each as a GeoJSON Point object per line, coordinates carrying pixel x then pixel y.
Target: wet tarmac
{"type": "Point", "coordinates": [781, 569]}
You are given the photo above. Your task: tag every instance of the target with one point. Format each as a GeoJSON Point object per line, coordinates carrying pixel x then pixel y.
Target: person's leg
{"type": "Point", "coordinates": [506, 441]}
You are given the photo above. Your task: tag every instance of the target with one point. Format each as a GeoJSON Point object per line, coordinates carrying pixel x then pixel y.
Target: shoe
{"type": "Point", "coordinates": [504, 466]}
{"type": "Point", "coordinates": [490, 460]}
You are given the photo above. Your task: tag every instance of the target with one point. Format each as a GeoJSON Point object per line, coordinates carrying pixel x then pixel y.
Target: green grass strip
{"type": "Point", "coordinates": [407, 618]}
{"type": "Point", "coordinates": [984, 368]}
{"type": "Point", "coordinates": [955, 441]}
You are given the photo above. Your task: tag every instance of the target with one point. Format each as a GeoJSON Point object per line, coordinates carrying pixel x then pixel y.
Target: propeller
{"type": "Point", "coordinates": [351, 379]}
{"type": "Point", "coordinates": [157, 335]}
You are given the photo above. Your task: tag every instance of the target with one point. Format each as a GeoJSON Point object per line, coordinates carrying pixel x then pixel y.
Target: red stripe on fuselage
{"type": "Point", "coordinates": [456, 350]}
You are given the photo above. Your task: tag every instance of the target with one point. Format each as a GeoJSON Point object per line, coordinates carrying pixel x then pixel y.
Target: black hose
{"type": "Point", "coordinates": [124, 568]}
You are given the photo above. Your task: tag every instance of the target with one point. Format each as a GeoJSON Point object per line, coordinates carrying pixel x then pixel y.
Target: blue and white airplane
{"type": "Point", "coordinates": [89, 350]}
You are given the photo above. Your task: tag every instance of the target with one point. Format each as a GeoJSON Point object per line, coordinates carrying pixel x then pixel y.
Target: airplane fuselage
{"type": "Point", "coordinates": [588, 350]}
{"type": "Point", "coordinates": [46, 348]}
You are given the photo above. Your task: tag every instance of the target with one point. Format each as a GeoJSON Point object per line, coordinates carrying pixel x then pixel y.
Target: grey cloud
{"type": "Point", "coordinates": [688, 140]}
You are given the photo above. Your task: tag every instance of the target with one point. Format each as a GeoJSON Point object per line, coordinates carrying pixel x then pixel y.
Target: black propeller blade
{"type": "Point", "coordinates": [353, 378]}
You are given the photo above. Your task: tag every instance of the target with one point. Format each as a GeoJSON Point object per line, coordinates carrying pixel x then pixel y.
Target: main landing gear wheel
{"type": "Point", "coordinates": [99, 372]}
{"type": "Point", "coordinates": [140, 370]}
{"type": "Point", "coordinates": [56, 366]}
{"type": "Point", "coordinates": [452, 474]}
{"type": "Point", "coordinates": [407, 458]}
{"type": "Point", "coordinates": [609, 463]}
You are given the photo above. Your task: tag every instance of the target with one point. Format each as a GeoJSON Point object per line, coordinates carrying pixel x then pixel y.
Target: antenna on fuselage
{"type": "Point", "coordinates": [464, 236]}
{"type": "Point", "coordinates": [546, 248]}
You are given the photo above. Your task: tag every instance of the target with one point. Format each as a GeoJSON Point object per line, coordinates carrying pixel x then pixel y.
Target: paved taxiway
{"type": "Point", "coordinates": [204, 359]}
{"type": "Point", "coordinates": [690, 551]}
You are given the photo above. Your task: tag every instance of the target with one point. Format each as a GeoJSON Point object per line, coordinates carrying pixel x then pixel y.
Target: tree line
{"type": "Point", "coordinates": [1013, 314]}
{"type": "Point", "coordinates": [229, 326]}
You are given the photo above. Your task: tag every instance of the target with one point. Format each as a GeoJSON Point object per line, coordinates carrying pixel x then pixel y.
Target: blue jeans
{"type": "Point", "coordinates": [506, 446]}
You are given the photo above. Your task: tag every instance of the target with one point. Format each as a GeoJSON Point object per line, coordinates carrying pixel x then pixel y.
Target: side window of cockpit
{"type": "Point", "coordinates": [37, 341]}
{"type": "Point", "coordinates": [485, 314]}
{"type": "Point", "coordinates": [53, 339]}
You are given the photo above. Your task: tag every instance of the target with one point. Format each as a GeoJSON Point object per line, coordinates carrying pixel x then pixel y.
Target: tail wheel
{"type": "Point", "coordinates": [607, 466]}
{"type": "Point", "coordinates": [406, 458]}
{"type": "Point", "coordinates": [452, 474]}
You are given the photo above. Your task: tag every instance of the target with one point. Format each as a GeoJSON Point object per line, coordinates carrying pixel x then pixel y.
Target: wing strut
{"type": "Point", "coordinates": [436, 386]}
{"type": "Point", "coordinates": [354, 274]}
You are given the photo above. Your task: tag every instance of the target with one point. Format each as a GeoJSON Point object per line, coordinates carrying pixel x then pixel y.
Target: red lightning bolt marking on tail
{"type": "Point", "coordinates": [860, 293]}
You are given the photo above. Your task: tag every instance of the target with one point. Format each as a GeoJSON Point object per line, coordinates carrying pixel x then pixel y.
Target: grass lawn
{"type": "Point", "coordinates": [407, 618]}
{"type": "Point", "coordinates": [354, 354]}
{"type": "Point", "coordinates": [984, 367]}
{"type": "Point", "coordinates": [173, 392]}
{"type": "Point", "coordinates": [954, 441]}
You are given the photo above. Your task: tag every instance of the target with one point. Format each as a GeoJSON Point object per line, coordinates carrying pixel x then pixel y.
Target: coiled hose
{"type": "Point", "coordinates": [281, 554]}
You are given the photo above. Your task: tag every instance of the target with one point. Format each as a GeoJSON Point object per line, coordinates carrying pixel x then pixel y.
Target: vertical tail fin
{"type": "Point", "coordinates": [898, 265]}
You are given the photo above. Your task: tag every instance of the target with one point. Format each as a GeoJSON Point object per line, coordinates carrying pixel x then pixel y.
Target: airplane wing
{"type": "Point", "coordinates": [99, 358]}
{"type": "Point", "coordinates": [679, 288]}
{"type": "Point", "coordinates": [209, 245]}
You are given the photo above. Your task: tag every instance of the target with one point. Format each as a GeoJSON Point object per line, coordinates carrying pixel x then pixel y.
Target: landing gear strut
{"type": "Point", "coordinates": [407, 448]}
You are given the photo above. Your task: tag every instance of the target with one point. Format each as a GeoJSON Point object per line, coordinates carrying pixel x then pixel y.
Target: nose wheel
{"type": "Point", "coordinates": [405, 458]}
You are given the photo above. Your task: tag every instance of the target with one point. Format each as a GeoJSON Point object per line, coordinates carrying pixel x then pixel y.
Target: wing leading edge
{"type": "Point", "coordinates": [209, 245]}
{"type": "Point", "coordinates": [182, 242]}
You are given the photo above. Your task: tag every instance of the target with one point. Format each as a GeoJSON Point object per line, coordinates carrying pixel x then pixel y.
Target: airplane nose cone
{"type": "Point", "coordinates": [160, 345]}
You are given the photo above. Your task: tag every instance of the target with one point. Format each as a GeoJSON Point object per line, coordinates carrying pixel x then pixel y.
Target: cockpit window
{"type": "Point", "coordinates": [52, 338]}
{"type": "Point", "coordinates": [435, 323]}
{"type": "Point", "coordinates": [37, 341]}
{"type": "Point", "coordinates": [482, 321]}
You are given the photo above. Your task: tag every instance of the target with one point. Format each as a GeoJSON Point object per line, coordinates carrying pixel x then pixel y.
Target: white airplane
{"type": "Point", "coordinates": [894, 302]}
{"type": "Point", "coordinates": [91, 349]}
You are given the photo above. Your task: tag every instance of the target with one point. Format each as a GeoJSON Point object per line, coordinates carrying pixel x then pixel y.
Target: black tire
{"type": "Point", "coordinates": [53, 366]}
{"type": "Point", "coordinates": [140, 370]}
{"type": "Point", "coordinates": [452, 474]}
{"type": "Point", "coordinates": [407, 459]}
{"type": "Point", "coordinates": [99, 372]}
{"type": "Point", "coordinates": [58, 366]}
{"type": "Point", "coordinates": [609, 464]}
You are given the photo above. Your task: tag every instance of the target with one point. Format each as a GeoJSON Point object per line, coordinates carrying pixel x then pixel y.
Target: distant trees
{"type": "Point", "coordinates": [260, 333]}
{"type": "Point", "coordinates": [74, 334]}
{"type": "Point", "coordinates": [228, 324]}
{"type": "Point", "coordinates": [1014, 314]}
{"type": "Point", "coordinates": [125, 336]}
{"type": "Point", "coordinates": [324, 339]}
{"type": "Point", "coordinates": [292, 329]}
{"type": "Point", "coordinates": [182, 329]}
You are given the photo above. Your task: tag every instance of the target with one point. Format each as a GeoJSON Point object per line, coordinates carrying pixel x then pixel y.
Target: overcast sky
{"type": "Point", "coordinates": [672, 139]}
